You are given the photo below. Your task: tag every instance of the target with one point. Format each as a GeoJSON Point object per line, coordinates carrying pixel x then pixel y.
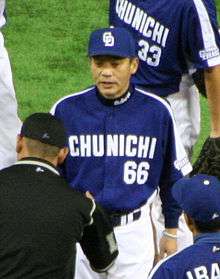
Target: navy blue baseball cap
{"type": "Point", "coordinates": [199, 197]}
{"type": "Point", "coordinates": [116, 41]}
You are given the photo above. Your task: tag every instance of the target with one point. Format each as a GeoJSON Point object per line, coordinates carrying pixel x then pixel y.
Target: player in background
{"type": "Point", "coordinates": [9, 121]}
{"type": "Point", "coordinates": [42, 218]}
{"type": "Point", "coordinates": [123, 144]}
{"type": "Point", "coordinates": [174, 38]}
{"type": "Point", "coordinates": [199, 198]}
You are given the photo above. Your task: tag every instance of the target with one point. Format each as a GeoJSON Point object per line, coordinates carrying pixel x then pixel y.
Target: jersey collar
{"type": "Point", "coordinates": [207, 238]}
{"type": "Point", "coordinates": [38, 162]}
{"type": "Point", "coordinates": [116, 102]}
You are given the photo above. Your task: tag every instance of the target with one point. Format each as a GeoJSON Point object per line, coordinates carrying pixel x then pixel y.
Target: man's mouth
{"type": "Point", "coordinates": [107, 83]}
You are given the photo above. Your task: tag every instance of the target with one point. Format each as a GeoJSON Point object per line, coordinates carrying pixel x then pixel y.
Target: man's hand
{"type": "Point", "coordinates": [168, 243]}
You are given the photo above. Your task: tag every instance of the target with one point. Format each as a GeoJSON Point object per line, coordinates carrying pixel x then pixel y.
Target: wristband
{"type": "Point", "coordinates": [170, 235]}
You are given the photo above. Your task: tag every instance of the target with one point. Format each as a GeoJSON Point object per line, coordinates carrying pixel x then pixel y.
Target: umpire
{"type": "Point", "coordinates": [41, 217]}
{"type": "Point", "coordinates": [199, 198]}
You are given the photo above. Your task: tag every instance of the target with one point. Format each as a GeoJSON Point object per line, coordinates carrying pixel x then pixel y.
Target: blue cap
{"type": "Point", "coordinates": [199, 197]}
{"type": "Point", "coordinates": [115, 41]}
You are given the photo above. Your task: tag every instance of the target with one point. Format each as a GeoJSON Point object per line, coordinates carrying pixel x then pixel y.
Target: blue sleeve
{"type": "Point", "coordinates": [176, 165]}
{"type": "Point", "coordinates": [170, 208]}
{"type": "Point", "coordinates": [200, 37]}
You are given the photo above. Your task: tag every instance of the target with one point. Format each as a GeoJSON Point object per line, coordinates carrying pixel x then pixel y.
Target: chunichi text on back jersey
{"type": "Point", "coordinates": [150, 29]}
{"type": "Point", "coordinates": [147, 25]}
{"type": "Point", "coordinates": [205, 272]}
{"type": "Point", "coordinates": [112, 145]}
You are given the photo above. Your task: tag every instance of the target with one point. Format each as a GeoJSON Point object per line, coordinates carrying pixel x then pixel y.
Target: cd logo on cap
{"type": "Point", "coordinates": [108, 39]}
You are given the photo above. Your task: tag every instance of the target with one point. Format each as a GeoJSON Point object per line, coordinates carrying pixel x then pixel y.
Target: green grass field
{"type": "Point", "coordinates": [47, 43]}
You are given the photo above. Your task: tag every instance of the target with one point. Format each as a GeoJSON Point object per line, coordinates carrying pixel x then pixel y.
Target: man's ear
{"type": "Point", "coordinates": [20, 147]}
{"type": "Point", "coordinates": [62, 155]}
{"type": "Point", "coordinates": [19, 144]}
{"type": "Point", "coordinates": [189, 222]}
{"type": "Point", "coordinates": [134, 65]}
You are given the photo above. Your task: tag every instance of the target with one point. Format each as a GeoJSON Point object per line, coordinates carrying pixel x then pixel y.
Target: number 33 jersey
{"type": "Point", "coordinates": [173, 37]}
{"type": "Point", "coordinates": [121, 150]}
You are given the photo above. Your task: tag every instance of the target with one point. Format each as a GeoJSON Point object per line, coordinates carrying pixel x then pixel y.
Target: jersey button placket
{"type": "Point", "coordinates": [108, 188]}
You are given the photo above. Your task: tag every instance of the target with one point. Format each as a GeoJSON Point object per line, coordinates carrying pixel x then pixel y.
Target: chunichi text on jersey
{"type": "Point", "coordinates": [200, 272]}
{"type": "Point", "coordinates": [112, 145]}
{"type": "Point", "coordinates": [139, 20]}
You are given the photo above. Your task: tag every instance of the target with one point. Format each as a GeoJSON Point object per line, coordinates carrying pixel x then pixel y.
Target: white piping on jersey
{"type": "Point", "coordinates": [91, 212]}
{"type": "Point", "coordinates": [208, 35]}
{"type": "Point", "coordinates": [160, 263]}
{"type": "Point", "coordinates": [181, 155]}
{"type": "Point", "coordinates": [37, 163]}
{"type": "Point", "coordinates": [52, 111]}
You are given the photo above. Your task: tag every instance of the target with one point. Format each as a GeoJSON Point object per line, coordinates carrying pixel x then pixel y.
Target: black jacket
{"type": "Point", "coordinates": [41, 219]}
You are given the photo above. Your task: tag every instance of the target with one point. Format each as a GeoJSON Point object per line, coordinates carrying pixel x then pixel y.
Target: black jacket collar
{"type": "Point", "coordinates": [38, 162]}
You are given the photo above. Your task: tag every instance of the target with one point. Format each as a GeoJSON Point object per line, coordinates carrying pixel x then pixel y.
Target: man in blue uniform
{"type": "Point", "coordinates": [199, 198]}
{"type": "Point", "coordinates": [123, 144]}
{"type": "Point", "coordinates": [174, 38]}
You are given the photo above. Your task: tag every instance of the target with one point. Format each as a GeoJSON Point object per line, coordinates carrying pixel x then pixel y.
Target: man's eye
{"type": "Point", "coordinates": [98, 64]}
{"type": "Point", "coordinates": [115, 64]}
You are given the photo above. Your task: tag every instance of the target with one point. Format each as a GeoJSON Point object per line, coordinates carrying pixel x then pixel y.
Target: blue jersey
{"type": "Point", "coordinates": [173, 38]}
{"type": "Point", "coordinates": [122, 151]}
{"type": "Point", "coordinates": [199, 261]}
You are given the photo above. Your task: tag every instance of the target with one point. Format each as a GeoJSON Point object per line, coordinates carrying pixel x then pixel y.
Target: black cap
{"type": "Point", "coordinates": [45, 128]}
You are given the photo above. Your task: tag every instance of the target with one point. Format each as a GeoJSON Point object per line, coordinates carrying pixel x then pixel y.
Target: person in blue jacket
{"type": "Point", "coordinates": [199, 198]}
{"type": "Point", "coordinates": [174, 39]}
{"type": "Point", "coordinates": [123, 144]}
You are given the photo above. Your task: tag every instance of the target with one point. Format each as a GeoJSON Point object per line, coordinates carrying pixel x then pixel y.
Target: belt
{"type": "Point", "coordinates": [124, 219]}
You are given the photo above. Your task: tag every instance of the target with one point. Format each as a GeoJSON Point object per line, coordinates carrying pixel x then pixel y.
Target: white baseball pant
{"type": "Point", "coordinates": [136, 251]}
{"type": "Point", "coordinates": [9, 122]}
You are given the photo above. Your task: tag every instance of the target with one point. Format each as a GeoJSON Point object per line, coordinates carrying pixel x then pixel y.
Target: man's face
{"type": "Point", "coordinates": [112, 74]}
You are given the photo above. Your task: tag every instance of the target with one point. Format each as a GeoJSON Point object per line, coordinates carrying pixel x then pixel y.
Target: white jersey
{"type": "Point", "coordinates": [9, 121]}
{"type": "Point", "coordinates": [2, 8]}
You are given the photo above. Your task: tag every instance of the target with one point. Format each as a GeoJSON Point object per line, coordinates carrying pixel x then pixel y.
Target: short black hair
{"type": "Point", "coordinates": [40, 149]}
{"type": "Point", "coordinates": [207, 227]}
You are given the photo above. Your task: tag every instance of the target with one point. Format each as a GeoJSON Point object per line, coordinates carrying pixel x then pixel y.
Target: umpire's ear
{"type": "Point", "coordinates": [20, 147]}
{"type": "Point", "coordinates": [19, 144]}
{"type": "Point", "coordinates": [62, 155]}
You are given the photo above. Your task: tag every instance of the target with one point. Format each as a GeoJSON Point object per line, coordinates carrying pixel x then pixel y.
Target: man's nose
{"type": "Point", "coordinates": [106, 71]}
